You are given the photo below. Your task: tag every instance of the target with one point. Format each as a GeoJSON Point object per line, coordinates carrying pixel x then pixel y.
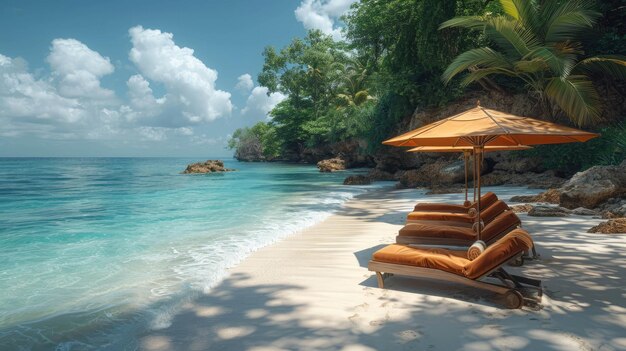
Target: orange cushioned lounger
{"type": "Point", "coordinates": [485, 201]}
{"type": "Point", "coordinates": [458, 219]}
{"type": "Point", "coordinates": [451, 265]}
{"type": "Point", "coordinates": [436, 234]}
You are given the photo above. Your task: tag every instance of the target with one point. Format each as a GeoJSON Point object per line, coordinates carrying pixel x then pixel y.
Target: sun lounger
{"type": "Point", "coordinates": [484, 272]}
{"type": "Point", "coordinates": [436, 234]}
{"type": "Point", "coordinates": [458, 219]}
{"type": "Point", "coordinates": [485, 201]}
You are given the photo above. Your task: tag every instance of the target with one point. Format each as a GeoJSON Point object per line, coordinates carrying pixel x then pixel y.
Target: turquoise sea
{"type": "Point", "coordinates": [93, 251]}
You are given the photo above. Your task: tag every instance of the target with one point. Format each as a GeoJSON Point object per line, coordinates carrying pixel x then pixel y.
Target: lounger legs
{"type": "Point", "coordinates": [381, 280]}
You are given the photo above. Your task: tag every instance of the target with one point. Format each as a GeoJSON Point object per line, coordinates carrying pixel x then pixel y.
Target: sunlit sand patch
{"type": "Point", "coordinates": [156, 343]}
{"type": "Point", "coordinates": [256, 313]}
{"type": "Point", "coordinates": [208, 311]}
{"type": "Point", "coordinates": [234, 332]}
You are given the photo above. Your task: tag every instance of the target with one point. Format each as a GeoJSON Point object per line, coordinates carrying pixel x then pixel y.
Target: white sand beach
{"type": "Point", "coordinates": [312, 291]}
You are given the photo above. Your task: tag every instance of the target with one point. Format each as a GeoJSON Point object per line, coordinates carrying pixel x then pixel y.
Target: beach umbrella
{"type": "Point", "coordinates": [480, 127]}
{"type": "Point", "coordinates": [467, 152]}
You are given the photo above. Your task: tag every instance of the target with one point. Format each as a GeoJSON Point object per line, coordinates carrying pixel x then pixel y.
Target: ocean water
{"type": "Point", "coordinates": [96, 250]}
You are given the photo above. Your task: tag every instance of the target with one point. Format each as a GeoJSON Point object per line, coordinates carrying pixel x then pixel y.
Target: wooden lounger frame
{"type": "Point", "coordinates": [511, 285]}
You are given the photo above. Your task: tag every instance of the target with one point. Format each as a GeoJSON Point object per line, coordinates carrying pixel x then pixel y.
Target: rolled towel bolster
{"type": "Point", "coordinates": [476, 249]}
{"type": "Point", "coordinates": [476, 224]}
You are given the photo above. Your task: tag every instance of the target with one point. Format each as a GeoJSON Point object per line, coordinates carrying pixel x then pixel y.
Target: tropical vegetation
{"type": "Point", "coordinates": [402, 56]}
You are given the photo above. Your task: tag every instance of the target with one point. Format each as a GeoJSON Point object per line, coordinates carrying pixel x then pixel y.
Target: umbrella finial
{"type": "Point", "coordinates": [478, 103]}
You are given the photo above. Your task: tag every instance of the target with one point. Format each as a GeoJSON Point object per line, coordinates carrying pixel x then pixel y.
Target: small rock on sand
{"type": "Point", "coordinates": [521, 208]}
{"type": "Point", "coordinates": [549, 211]}
{"type": "Point", "coordinates": [612, 226]}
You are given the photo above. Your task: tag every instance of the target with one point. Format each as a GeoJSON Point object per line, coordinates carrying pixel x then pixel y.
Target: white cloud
{"type": "Point", "coordinates": [323, 15]}
{"type": "Point", "coordinates": [260, 103]}
{"type": "Point", "coordinates": [190, 85]}
{"type": "Point", "coordinates": [23, 97]}
{"type": "Point", "coordinates": [79, 69]}
{"type": "Point", "coordinates": [244, 83]}
{"type": "Point", "coordinates": [142, 101]}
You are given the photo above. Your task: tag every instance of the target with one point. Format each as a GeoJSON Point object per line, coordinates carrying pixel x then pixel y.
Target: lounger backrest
{"type": "Point", "coordinates": [488, 199]}
{"type": "Point", "coordinates": [504, 221]}
{"type": "Point", "coordinates": [488, 214]}
{"type": "Point", "coordinates": [509, 246]}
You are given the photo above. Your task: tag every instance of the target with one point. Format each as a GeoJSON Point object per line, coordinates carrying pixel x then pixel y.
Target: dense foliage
{"type": "Point", "coordinates": [395, 60]}
{"type": "Point", "coordinates": [539, 43]}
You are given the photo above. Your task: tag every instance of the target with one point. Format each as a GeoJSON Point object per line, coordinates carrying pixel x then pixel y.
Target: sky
{"type": "Point", "coordinates": [141, 78]}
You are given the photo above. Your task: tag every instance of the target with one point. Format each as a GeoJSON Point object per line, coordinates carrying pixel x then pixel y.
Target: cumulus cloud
{"type": "Point", "coordinates": [259, 103]}
{"type": "Point", "coordinates": [244, 83]}
{"type": "Point", "coordinates": [79, 69]}
{"type": "Point", "coordinates": [172, 98]}
{"type": "Point", "coordinates": [23, 97]}
{"type": "Point", "coordinates": [323, 15]}
{"type": "Point", "coordinates": [189, 83]}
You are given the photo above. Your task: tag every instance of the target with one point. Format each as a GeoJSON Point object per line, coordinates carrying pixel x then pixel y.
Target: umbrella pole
{"type": "Point", "coordinates": [465, 158]}
{"type": "Point", "coordinates": [474, 175]}
{"type": "Point", "coordinates": [478, 153]}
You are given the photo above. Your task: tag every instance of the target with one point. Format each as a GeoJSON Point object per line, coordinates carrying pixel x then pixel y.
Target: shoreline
{"type": "Point", "coordinates": [311, 291]}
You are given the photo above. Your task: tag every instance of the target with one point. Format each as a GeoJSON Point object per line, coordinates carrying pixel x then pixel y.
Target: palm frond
{"type": "Point", "coordinates": [511, 36]}
{"type": "Point", "coordinates": [577, 97]}
{"type": "Point", "coordinates": [481, 58]}
{"type": "Point", "coordinates": [481, 73]}
{"type": "Point", "coordinates": [470, 22]}
{"type": "Point", "coordinates": [563, 20]}
{"type": "Point", "coordinates": [530, 66]}
{"type": "Point", "coordinates": [610, 65]}
{"type": "Point", "coordinates": [560, 62]}
{"type": "Point", "coordinates": [510, 8]}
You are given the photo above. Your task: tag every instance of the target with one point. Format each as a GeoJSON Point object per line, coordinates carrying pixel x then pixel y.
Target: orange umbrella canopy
{"type": "Point", "coordinates": [481, 126]}
{"type": "Point", "coordinates": [466, 148]}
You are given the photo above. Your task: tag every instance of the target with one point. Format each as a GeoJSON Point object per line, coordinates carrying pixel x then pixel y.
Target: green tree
{"type": "Point", "coordinates": [309, 72]}
{"type": "Point", "coordinates": [539, 43]}
{"type": "Point", "coordinates": [258, 142]}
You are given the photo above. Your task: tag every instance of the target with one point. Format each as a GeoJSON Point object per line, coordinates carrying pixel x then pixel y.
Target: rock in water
{"type": "Point", "coordinates": [612, 226]}
{"type": "Point", "coordinates": [357, 180]}
{"type": "Point", "coordinates": [331, 165]}
{"type": "Point", "coordinates": [594, 186]}
{"type": "Point", "coordinates": [548, 211]}
{"type": "Point", "coordinates": [210, 166]}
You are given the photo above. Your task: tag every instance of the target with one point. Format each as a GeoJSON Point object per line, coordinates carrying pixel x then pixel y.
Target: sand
{"type": "Point", "coordinates": [312, 291]}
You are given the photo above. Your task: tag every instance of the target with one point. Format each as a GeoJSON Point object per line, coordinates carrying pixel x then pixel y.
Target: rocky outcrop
{"type": "Point", "coordinates": [209, 166]}
{"type": "Point", "coordinates": [518, 164]}
{"type": "Point", "coordinates": [543, 180]}
{"type": "Point", "coordinates": [594, 186]}
{"type": "Point", "coordinates": [332, 165]}
{"type": "Point", "coordinates": [378, 174]}
{"type": "Point", "coordinates": [581, 211]}
{"type": "Point", "coordinates": [521, 208]}
{"type": "Point", "coordinates": [612, 226]}
{"type": "Point", "coordinates": [548, 211]}
{"type": "Point", "coordinates": [613, 208]}
{"type": "Point", "coordinates": [426, 176]}
{"type": "Point", "coordinates": [551, 196]}
{"type": "Point", "coordinates": [357, 180]}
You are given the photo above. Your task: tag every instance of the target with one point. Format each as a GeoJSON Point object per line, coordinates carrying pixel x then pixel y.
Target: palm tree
{"type": "Point", "coordinates": [354, 85]}
{"type": "Point", "coordinates": [537, 42]}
